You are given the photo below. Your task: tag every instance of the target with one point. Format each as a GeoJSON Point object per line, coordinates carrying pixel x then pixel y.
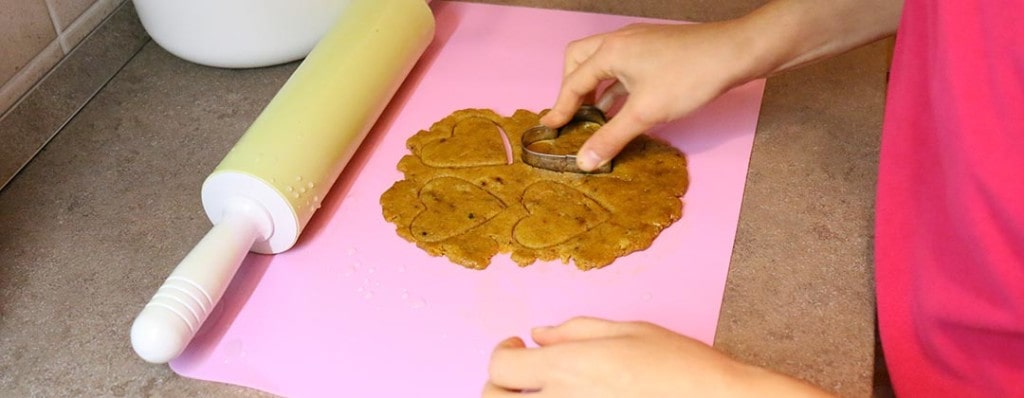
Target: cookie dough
{"type": "Point", "coordinates": [462, 197]}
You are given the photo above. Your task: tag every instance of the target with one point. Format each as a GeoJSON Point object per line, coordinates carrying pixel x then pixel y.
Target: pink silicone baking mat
{"type": "Point", "coordinates": [355, 310]}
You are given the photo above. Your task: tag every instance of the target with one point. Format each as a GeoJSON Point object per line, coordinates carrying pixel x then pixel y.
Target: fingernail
{"type": "Point", "coordinates": [541, 329]}
{"type": "Point", "coordinates": [589, 160]}
{"type": "Point", "coordinates": [547, 119]}
{"type": "Point", "coordinates": [512, 342]}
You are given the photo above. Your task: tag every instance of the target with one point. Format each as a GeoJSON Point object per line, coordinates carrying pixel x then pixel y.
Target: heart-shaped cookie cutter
{"type": "Point", "coordinates": [561, 163]}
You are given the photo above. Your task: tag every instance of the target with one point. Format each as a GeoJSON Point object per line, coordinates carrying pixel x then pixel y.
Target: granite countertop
{"type": "Point", "coordinates": [95, 222]}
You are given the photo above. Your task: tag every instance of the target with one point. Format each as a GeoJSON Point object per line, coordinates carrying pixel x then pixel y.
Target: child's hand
{"type": "Point", "coordinates": [593, 358]}
{"type": "Point", "coordinates": [667, 71]}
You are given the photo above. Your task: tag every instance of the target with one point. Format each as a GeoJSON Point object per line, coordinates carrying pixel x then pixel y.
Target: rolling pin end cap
{"type": "Point", "coordinates": [156, 338]}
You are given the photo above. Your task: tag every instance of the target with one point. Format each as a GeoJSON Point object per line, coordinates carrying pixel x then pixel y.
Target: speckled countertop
{"type": "Point", "coordinates": [94, 223]}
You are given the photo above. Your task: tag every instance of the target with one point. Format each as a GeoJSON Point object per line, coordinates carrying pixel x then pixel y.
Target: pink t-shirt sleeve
{"type": "Point", "coordinates": [950, 212]}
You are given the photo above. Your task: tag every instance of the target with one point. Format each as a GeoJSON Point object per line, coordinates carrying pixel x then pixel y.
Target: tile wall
{"type": "Point", "coordinates": [36, 34]}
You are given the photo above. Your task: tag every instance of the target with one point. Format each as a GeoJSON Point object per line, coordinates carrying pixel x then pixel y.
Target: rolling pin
{"type": "Point", "coordinates": [266, 189]}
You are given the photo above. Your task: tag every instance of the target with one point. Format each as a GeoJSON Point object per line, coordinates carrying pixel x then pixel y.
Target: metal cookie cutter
{"type": "Point", "coordinates": [561, 163]}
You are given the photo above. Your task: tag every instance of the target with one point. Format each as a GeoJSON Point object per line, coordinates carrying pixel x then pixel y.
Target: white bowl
{"type": "Point", "coordinates": [238, 33]}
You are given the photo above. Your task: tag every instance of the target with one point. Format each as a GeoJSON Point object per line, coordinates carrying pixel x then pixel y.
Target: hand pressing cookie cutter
{"type": "Point", "coordinates": [561, 163]}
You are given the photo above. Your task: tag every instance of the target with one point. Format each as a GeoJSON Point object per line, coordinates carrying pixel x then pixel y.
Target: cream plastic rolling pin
{"type": "Point", "coordinates": [269, 185]}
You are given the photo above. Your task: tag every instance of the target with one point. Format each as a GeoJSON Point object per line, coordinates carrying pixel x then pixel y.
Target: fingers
{"type": "Point", "coordinates": [515, 368]}
{"type": "Point", "coordinates": [578, 87]}
{"type": "Point", "coordinates": [609, 140]}
{"type": "Point", "coordinates": [610, 96]}
{"type": "Point", "coordinates": [581, 328]}
{"type": "Point", "coordinates": [579, 51]}
{"type": "Point", "coordinates": [585, 68]}
{"type": "Point", "coordinates": [575, 87]}
{"type": "Point", "coordinates": [491, 390]}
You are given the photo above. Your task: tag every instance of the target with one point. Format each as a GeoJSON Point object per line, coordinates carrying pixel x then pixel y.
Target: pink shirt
{"type": "Point", "coordinates": [950, 216]}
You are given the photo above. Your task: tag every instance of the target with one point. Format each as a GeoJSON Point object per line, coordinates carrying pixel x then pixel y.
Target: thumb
{"type": "Point", "coordinates": [609, 140]}
{"type": "Point", "coordinates": [580, 328]}
{"type": "Point", "coordinates": [511, 342]}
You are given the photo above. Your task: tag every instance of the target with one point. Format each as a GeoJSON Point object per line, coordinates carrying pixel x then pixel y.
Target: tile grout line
{"type": "Point", "coordinates": [96, 7]}
{"type": "Point", "coordinates": [53, 19]}
{"type": "Point", "coordinates": [64, 57]}
{"type": "Point", "coordinates": [75, 112]}
{"type": "Point", "coordinates": [94, 93]}
{"type": "Point", "coordinates": [73, 115]}
{"type": "Point", "coordinates": [25, 70]}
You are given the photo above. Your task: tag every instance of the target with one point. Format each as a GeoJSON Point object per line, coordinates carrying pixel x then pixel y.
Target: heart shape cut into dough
{"type": "Point", "coordinates": [452, 207]}
{"type": "Point", "coordinates": [557, 213]}
{"type": "Point", "coordinates": [528, 212]}
{"type": "Point", "coordinates": [474, 142]}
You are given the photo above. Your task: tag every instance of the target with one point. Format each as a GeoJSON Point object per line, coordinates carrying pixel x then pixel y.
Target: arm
{"type": "Point", "coordinates": [664, 72]}
{"type": "Point", "coordinates": [590, 357]}
{"type": "Point", "coordinates": [798, 32]}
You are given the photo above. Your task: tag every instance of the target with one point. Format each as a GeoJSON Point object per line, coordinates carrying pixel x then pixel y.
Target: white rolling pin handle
{"type": "Point", "coordinates": [175, 313]}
